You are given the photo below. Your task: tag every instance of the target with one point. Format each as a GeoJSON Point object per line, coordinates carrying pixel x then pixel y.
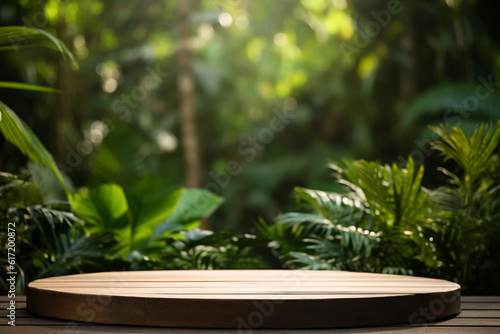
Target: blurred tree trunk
{"type": "Point", "coordinates": [191, 150]}
{"type": "Point", "coordinates": [465, 59]}
{"type": "Point", "coordinates": [407, 70]}
{"type": "Point", "coordinates": [187, 101]}
{"type": "Point", "coordinates": [65, 129]}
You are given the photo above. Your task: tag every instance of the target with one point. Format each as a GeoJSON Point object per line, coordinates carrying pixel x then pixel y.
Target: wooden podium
{"type": "Point", "coordinates": [244, 299]}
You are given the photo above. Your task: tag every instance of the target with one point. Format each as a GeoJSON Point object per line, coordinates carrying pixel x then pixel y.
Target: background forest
{"type": "Point", "coordinates": [268, 105]}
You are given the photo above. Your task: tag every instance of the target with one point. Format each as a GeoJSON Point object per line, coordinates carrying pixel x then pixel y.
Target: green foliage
{"type": "Point", "coordinates": [370, 100]}
{"type": "Point", "coordinates": [329, 233]}
{"type": "Point", "coordinates": [109, 220]}
{"type": "Point", "coordinates": [371, 227]}
{"type": "Point", "coordinates": [17, 132]}
{"type": "Point", "coordinates": [59, 243]}
{"type": "Point", "coordinates": [12, 127]}
{"type": "Point", "coordinates": [17, 190]}
{"type": "Point", "coordinates": [390, 193]}
{"type": "Point", "coordinates": [15, 37]}
{"type": "Point", "coordinates": [198, 249]}
{"type": "Point", "coordinates": [142, 213]}
{"type": "Point", "coordinates": [470, 207]}
{"type": "Point", "coordinates": [451, 100]}
{"type": "Point", "coordinates": [472, 154]}
{"type": "Point", "coordinates": [102, 208]}
{"type": "Point", "coordinates": [386, 221]}
{"type": "Point", "coordinates": [50, 239]}
{"type": "Point", "coordinates": [110, 228]}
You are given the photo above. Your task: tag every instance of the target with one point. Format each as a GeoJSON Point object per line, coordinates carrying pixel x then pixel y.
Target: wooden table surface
{"type": "Point", "coordinates": [478, 315]}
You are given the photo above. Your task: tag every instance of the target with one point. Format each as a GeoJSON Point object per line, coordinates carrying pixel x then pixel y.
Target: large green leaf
{"type": "Point", "coordinates": [15, 37]}
{"type": "Point", "coordinates": [192, 205]}
{"type": "Point", "coordinates": [143, 212]}
{"type": "Point", "coordinates": [18, 133]}
{"type": "Point", "coordinates": [150, 203]}
{"type": "Point", "coordinates": [103, 208]}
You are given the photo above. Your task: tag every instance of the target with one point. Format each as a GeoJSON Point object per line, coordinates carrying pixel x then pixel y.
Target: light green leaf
{"type": "Point", "coordinates": [149, 203]}
{"type": "Point", "coordinates": [103, 208]}
{"type": "Point", "coordinates": [192, 205]}
{"type": "Point", "coordinates": [143, 212]}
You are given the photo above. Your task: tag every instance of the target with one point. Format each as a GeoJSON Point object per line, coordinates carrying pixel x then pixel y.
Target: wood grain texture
{"type": "Point", "coordinates": [244, 299]}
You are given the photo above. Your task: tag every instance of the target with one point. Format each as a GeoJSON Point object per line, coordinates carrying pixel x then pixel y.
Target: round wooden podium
{"type": "Point", "coordinates": [244, 299]}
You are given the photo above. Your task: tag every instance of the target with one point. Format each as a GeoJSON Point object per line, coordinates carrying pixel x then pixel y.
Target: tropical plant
{"type": "Point", "coordinates": [325, 239]}
{"type": "Point", "coordinates": [12, 127]}
{"type": "Point", "coordinates": [372, 226]}
{"type": "Point", "coordinates": [201, 249]}
{"type": "Point", "coordinates": [50, 239]}
{"type": "Point", "coordinates": [141, 214]}
{"type": "Point", "coordinates": [97, 224]}
{"type": "Point", "coordinates": [470, 207]}
{"type": "Point", "coordinates": [386, 221]}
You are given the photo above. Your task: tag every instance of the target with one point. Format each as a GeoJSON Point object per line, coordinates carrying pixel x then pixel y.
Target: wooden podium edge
{"type": "Point", "coordinates": [245, 314]}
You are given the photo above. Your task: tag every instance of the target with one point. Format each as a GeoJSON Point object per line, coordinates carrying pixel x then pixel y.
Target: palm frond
{"type": "Point", "coordinates": [23, 86]}
{"type": "Point", "coordinates": [446, 198]}
{"type": "Point", "coordinates": [15, 37]}
{"type": "Point", "coordinates": [393, 195]}
{"type": "Point", "coordinates": [76, 251]}
{"type": "Point", "coordinates": [333, 206]}
{"type": "Point", "coordinates": [472, 154]}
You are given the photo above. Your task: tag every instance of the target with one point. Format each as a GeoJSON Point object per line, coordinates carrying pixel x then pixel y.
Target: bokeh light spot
{"type": "Point", "coordinates": [280, 39]}
{"type": "Point", "coordinates": [225, 19]}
